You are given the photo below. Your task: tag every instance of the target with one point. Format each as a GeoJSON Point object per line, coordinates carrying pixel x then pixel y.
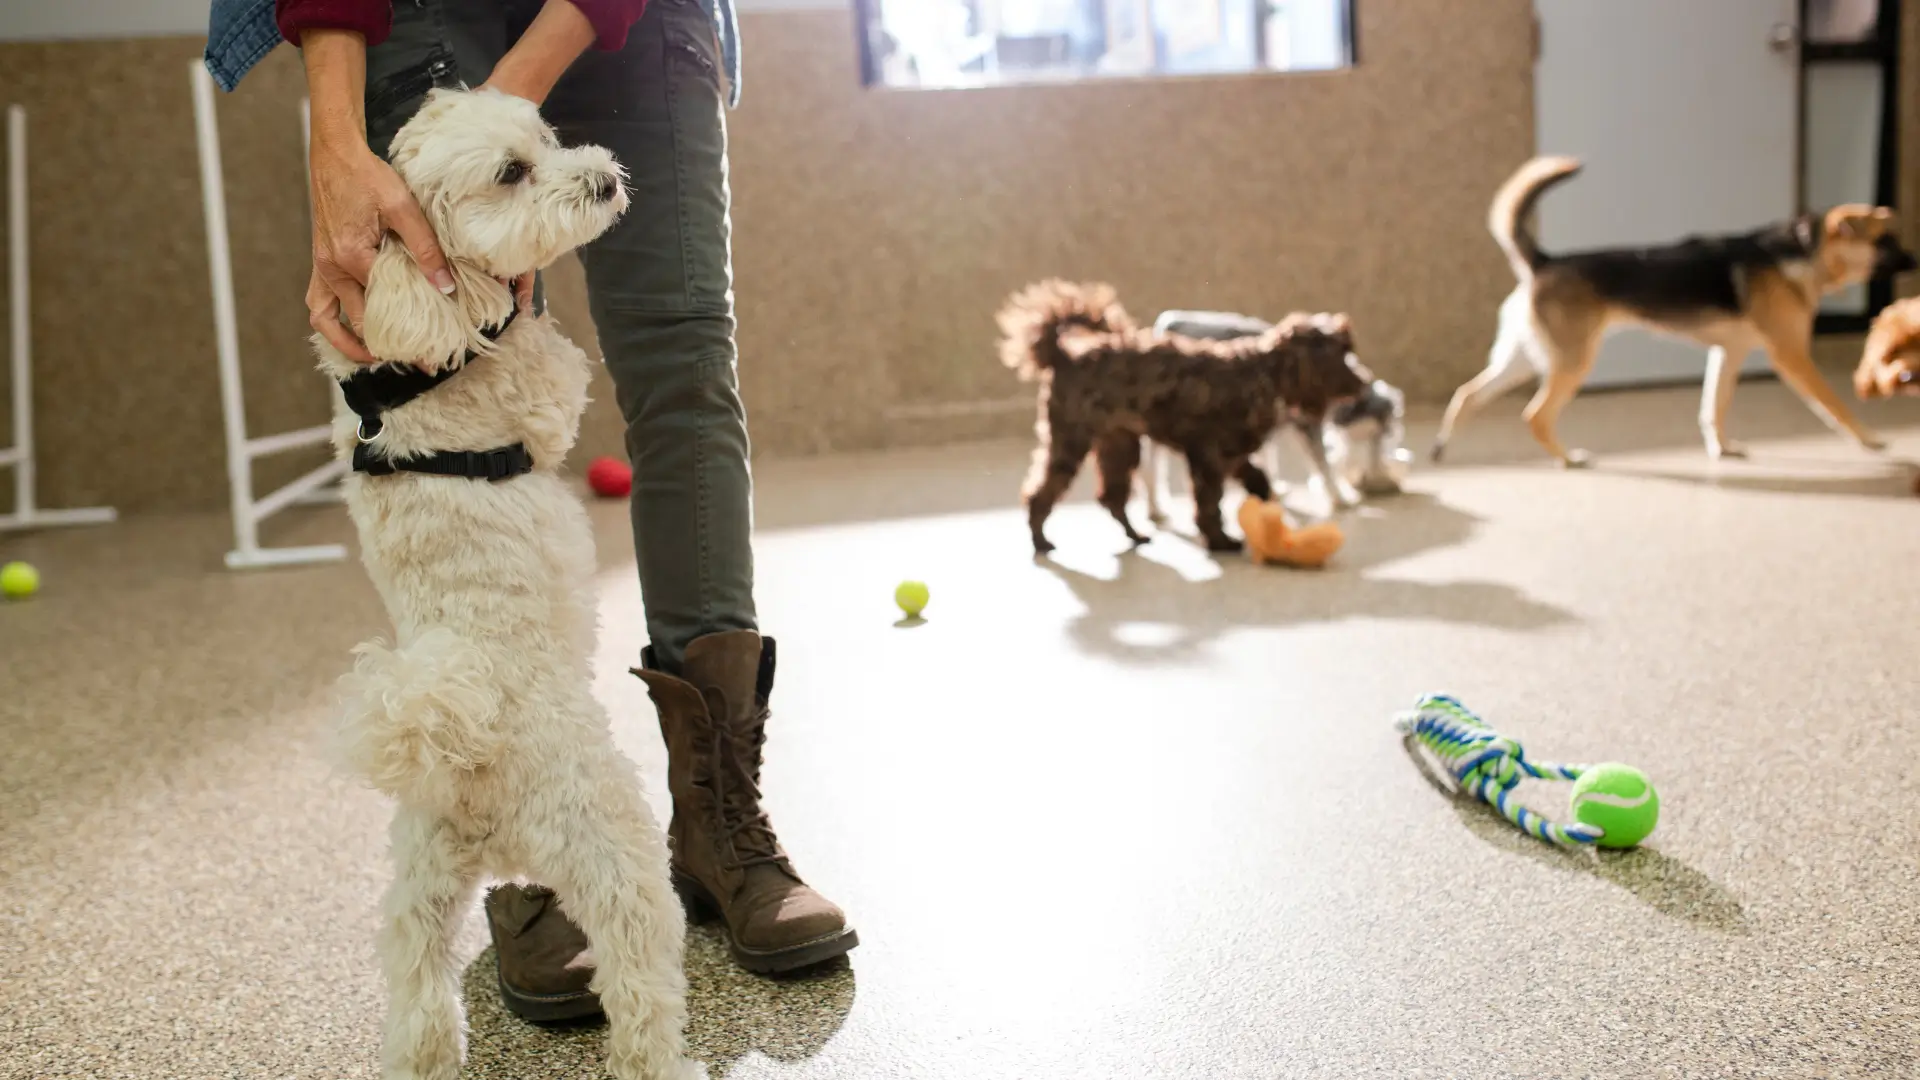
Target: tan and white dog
{"type": "Point", "coordinates": [479, 719]}
{"type": "Point", "coordinates": [1732, 294]}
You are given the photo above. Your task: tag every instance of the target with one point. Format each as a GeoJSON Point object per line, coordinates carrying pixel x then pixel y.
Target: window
{"type": "Point", "coordinates": [961, 43]}
{"type": "Point", "coordinates": [1849, 133]}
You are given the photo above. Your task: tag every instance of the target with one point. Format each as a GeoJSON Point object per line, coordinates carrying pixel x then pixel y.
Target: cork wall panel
{"type": "Point", "coordinates": [126, 387]}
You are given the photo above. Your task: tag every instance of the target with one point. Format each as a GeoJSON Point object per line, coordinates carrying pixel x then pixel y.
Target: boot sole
{"type": "Point", "coordinates": [701, 907]}
{"type": "Point", "coordinates": [548, 1008]}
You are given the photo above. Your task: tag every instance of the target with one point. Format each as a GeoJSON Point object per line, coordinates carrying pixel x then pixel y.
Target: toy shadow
{"type": "Point", "coordinates": [1382, 529]}
{"type": "Point", "coordinates": [1662, 882]}
{"type": "Point", "coordinates": [730, 1014]}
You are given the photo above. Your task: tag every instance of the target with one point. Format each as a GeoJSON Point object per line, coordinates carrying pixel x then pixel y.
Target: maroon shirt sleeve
{"type": "Point", "coordinates": [373, 19]}
{"type": "Point", "coordinates": [611, 20]}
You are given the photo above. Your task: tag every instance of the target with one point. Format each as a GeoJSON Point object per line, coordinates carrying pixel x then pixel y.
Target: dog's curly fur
{"type": "Point", "coordinates": [480, 719]}
{"type": "Point", "coordinates": [1890, 362]}
{"type": "Point", "coordinates": [1104, 383]}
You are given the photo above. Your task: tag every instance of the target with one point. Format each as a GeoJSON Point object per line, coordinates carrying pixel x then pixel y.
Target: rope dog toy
{"type": "Point", "coordinates": [1614, 805]}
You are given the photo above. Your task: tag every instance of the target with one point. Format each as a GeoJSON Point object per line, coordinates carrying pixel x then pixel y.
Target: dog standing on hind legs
{"type": "Point", "coordinates": [480, 720]}
{"type": "Point", "coordinates": [1732, 294]}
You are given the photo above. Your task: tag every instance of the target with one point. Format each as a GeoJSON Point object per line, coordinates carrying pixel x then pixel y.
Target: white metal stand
{"type": "Point", "coordinates": [27, 513]}
{"type": "Point", "coordinates": [249, 512]}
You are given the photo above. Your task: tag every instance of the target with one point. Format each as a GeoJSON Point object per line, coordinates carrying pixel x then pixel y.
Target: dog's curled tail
{"type": "Point", "coordinates": [1508, 218]}
{"type": "Point", "coordinates": [1033, 318]}
{"type": "Point", "coordinates": [420, 717]}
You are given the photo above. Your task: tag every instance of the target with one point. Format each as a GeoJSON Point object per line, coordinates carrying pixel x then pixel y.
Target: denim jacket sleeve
{"type": "Point", "coordinates": [240, 34]}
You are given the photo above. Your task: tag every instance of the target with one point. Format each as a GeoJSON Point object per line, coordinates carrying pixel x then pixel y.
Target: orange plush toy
{"type": "Point", "coordinates": [1271, 540]}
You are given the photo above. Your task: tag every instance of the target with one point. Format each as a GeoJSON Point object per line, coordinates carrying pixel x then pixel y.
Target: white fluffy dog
{"type": "Point", "coordinates": [480, 719]}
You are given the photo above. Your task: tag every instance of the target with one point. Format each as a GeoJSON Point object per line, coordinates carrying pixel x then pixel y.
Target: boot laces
{"type": "Point", "coordinates": [750, 835]}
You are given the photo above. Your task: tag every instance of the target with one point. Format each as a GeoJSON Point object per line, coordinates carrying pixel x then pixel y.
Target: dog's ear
{"type": "Point", "coordinates": [1857, 222]}
{"type": "Point", "coordinates": [408, 320]}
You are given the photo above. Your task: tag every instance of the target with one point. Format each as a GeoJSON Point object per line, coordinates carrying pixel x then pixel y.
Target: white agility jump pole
{"type": "Point", "coordinates": [26, 513]}
{"type": "Point", "coordinates": [248, 511]}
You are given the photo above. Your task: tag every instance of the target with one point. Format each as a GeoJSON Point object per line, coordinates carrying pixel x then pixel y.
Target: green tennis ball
{"type": "Point", "coordinates": [18, 581]}
{"type": "Point", "coordinates": [912, 597]}
{"type": "Point", "coordinates": [1618, 799]}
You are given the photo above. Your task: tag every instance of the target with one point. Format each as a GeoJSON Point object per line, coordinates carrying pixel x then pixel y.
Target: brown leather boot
{"type": "Point", "coordinates": [543, 960]}
{"type": "Point", "coordinates": [726, 859]}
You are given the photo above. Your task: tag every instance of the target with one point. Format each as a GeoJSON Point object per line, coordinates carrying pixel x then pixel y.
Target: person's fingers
{"type": "Point", "coordinates": [328, 323]}
{"type": "Point", "coordinates": [402, 215]}
{"type": "Point", "coordinates": [355, 262]}
{"type": "Point", "coordinates": [353, 299]}
{"type": "Point", "coordinates": [323, 314]}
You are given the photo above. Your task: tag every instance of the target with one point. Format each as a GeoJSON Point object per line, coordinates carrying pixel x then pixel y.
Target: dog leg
{"type": "Point", "coordinates": [1055, 464]}
{"type": "Point", "coordinates": [1508, 365]}
{"type": "Point", "coordinates": [607, 863]}
{"type": "Point", "coordinates": [1795, 367]}
{"type": "Point", "coordinates": [1269, 457]}
{"type": "Point", "coordinates": [1716, 393]}
{"type": "Point", "coordinates": [1254, 479]}
{"type": "Point", "coordinates": [1209, 487]}
{"type": "Point", "coordinates": [1313, 438]}
{"type": "Point", "coordinates": [433, 887]}
{"type": "Point", "coordinates": [1153, 477]}
{"type": "Point", "coordinates": [1118, 456]}
{"type": "Point", "coordinates": [1569, 359]}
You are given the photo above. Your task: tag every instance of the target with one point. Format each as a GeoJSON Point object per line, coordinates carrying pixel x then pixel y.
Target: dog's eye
{"type": "Point", "coordinates": [514, 171]}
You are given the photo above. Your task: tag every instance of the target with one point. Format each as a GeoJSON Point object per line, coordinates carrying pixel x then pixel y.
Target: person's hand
{"type": "Point", "coordinates": [357, 200]}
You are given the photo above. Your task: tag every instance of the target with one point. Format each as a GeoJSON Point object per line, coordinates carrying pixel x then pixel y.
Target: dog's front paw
{"type": "Point", "coordinates": [1721, 449]}
{"type": "Point", "coordinates": [1576, 459]}
{"type": "Point", "coordinates": [1870, 441]}
{"type": "Point", "coordinates": [1224, 545]}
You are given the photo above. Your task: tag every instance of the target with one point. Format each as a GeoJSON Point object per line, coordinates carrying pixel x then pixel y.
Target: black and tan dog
{"type": "Point", "coordinates": [1732, 294]}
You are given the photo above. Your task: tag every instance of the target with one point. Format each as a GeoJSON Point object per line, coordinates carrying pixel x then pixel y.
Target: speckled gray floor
{"type": "Point", "coordinates": [1115, 816]}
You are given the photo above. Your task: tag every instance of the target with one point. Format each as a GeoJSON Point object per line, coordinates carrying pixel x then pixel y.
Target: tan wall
{"type": "Point", "coordinates": [875, 232]}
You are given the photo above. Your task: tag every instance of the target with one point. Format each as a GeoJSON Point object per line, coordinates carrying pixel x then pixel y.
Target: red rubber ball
{"type": "Point", "coordinates": [610, 478]}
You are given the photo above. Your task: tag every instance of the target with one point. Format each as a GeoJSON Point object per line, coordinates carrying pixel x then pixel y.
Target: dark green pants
{"type": "Point", "coordinates": [660, 282]}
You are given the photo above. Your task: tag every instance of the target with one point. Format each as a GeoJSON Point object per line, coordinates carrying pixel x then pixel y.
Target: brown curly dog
{"type": "Point", "coordinates": [1104, 383]}
{"type": "Point", "coordinates": [1890, 363]}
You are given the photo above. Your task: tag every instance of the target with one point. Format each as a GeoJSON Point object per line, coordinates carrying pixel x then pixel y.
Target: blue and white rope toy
{"type": "Point", "coordinates": [1488, 765]}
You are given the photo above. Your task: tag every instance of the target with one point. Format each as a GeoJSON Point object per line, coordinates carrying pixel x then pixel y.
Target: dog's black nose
{"type": "Point", "coordinates": [604, 187]}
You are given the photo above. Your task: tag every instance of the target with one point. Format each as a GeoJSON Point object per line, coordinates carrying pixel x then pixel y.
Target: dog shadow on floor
{"type": "Point", "coordinates": [1659, 881]}
{"type": "Point", "coordinates": [1892, 478]}
{"type": "Point", "coordinates": [1153, 613]}
{"type": "Point", "coordinates": [730, 1013]}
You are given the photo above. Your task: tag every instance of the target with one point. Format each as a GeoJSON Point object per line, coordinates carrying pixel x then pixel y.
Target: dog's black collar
{"type": "Point", "coordinates": [372, 391]}
{"type": "Point", "coordinates": [502, 463]}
